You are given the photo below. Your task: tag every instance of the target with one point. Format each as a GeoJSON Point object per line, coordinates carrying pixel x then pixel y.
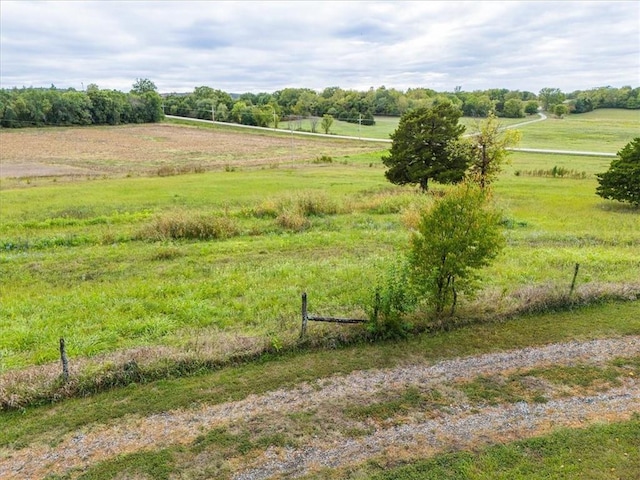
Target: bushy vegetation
{"type": "Point", "coordinates": [184, 225]}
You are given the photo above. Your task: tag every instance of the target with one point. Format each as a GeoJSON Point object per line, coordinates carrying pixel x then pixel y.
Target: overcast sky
{"type": "Point", "coordinates": [266, 46]}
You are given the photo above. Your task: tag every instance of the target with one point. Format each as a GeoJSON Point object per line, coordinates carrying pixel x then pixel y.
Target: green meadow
{"type": "Point", "coordinates": [95, 261]}
{"type": "Point", "coordinates": [198, 278]}
{"type": "Point", "coordinates": [383, 127]}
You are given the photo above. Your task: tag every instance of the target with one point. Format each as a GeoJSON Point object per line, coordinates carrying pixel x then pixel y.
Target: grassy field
{"type": "Point", "coordinates": [383, 127]}
{"type": "Point", "coordinates": [180, 248]}
{"type": "Point", "coordinates": [605, 130]}
{"type": "Point", "coordinates": [325, 228]}
{"type": "Point", "coordinates": [89, 245]}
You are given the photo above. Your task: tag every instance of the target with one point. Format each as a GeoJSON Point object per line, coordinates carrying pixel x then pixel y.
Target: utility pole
{"type": "Point", "coordinates": [213, 113]}
{"type": "Point", "coordinates": [359, 123]}
{"type": "Point", "coordinates": [291, 127]}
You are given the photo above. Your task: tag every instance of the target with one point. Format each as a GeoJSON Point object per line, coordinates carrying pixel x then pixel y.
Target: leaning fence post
{"type": "Point", "coordinates": [573, 282]}
{"type": "Point", "coordinates": [305, 318]}
{"type": "Point", "coordinates": [65, 362]}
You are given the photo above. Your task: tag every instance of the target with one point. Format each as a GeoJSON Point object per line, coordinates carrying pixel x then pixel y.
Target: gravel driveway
{"type": "Point", "coordinates": [462, 424]}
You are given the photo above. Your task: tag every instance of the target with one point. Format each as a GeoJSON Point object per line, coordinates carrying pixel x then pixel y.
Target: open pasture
{"type": "Point", "coordinates": [89, 260]}
{"type": "Point", "coordinates": [604, 130]}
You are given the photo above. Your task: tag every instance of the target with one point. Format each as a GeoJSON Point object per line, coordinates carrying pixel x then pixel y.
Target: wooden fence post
{"type": "Point", "coordinates": [573, 282]}
{"type": "Point", "coordinates": [65, 362]}
{"type": "Point", "coordinates": [305, 317]}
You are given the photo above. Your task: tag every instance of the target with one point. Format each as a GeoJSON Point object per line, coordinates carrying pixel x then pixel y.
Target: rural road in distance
{"type": "Point", "coordinates": [386, 140]}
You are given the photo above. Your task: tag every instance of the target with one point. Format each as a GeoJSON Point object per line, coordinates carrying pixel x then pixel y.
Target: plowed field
{"type": "Point", "coordinates": [153, 149]}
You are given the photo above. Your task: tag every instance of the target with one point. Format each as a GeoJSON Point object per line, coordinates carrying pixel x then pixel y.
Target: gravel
{"type": "Point", "coordinates": [461, 426]}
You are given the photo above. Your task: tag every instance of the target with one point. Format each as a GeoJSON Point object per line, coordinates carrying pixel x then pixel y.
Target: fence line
{"type": "Point", "coordinates": [306, 318]}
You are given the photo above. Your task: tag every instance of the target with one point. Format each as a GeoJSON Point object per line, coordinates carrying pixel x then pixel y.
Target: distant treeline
{"type": "Point", "coordinates": [37, 106]}
{"type": "Point", "coordinates": [361, 107]}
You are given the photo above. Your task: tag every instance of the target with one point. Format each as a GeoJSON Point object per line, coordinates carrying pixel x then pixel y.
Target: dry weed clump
{"type": "Point", "coordinates": [292, 212]}
{"type": "Point", "coordinates": [544, 298]}
{"type": "Point", "coordinates": [497, 304]}
{"type": "Point", "coordinates": [293, 220]}
{"type": "Point", "coordinates": [183, 225]}
{"type": "Point", "coordinates": [387, 201]}
{"type": "Point", "coordinates": [170, 170]}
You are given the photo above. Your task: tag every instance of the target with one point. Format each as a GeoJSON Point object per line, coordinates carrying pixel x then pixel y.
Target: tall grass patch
{"type": "Point", "coordinates": [178, 225]}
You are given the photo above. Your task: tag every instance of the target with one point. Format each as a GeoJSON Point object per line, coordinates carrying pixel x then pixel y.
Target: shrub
{"type": "Point", "coordinates": [306, 204]}
{"type": "Point", "coordinates": [460, 234]}
{"type": "Point", "coordinates": [392, 300]}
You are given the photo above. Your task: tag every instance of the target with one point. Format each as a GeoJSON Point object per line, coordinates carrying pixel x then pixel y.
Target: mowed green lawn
{"type": "Point", "coordinates": [75, 264]}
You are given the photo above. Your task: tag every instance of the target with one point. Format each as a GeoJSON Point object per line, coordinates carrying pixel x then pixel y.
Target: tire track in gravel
{"type": "Point", "coordinates": [95, 443]}
{"type": "Point", "coordinates": [495, 424]}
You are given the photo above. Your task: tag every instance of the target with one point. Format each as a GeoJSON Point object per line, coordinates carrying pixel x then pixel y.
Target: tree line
{"type": "Point", "coordinates": [37, 107]}
{"type": "Point", "coordinates": [265, 109]}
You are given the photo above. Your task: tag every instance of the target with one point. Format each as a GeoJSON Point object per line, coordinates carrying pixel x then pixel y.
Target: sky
{"type": "Point", "coordinates": [266, 46]}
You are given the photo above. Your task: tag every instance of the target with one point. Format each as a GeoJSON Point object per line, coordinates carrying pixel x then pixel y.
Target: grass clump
{"type": "Point", "coordinates": [294, 212]}
{"type": "Point", "coordinates": [158, 465]}
{"type": "Point", "coordinates": [397, 404]}
{"type": "Point", "coordinates": [293, 220]}
{"type": "Point", "coordinates": [180, 225]}
{"type": "Point", "coordinates": [555, 172]}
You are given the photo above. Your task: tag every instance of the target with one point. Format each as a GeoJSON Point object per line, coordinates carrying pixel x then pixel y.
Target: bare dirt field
{"type": "Point", "coordinates": [153, 149]}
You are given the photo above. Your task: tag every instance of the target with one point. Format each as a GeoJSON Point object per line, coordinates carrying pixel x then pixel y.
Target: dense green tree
{"type": "Point", "coordinates": [582, 104]}
{"type": "Point", "coordinates": [560, 110]}
{"type": "Point", "coordinates": [459, 235]}
{"type": "Point", "coordinates": [477, 105]}
{"type": "Point", "coordinates": [550, 97]}
{"type": "Point", "coordinates": [263, 114]}
{"type": "Point", "coordinates": [513, 108]}
{"type": "Point", "coordinates": [143, 85]}
{"type": "Point", "coordinates": [222, 112]}
{"type": "Point", "coordinates": [71, 108]}
{"type": "Point", "coordinates": [325, 124]}
{"type": "Point", "coordinates": [427, 146]}
{"type": "Point", "coordinates": [204, 92]}
{"type": "Point", "coordinates": [622, 181]}
{"type": "Point", "coordinates": [531, 107]}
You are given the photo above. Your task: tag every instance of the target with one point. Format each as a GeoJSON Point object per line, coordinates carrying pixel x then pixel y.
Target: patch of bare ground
{"type": "Point", "coordinates": [144, 149]}
{"type": "Point", "coordinates": [319, 416]}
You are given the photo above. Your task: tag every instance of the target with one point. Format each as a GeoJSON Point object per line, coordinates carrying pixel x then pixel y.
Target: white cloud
{"type": "Point", "coordinates": [266, 46]}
